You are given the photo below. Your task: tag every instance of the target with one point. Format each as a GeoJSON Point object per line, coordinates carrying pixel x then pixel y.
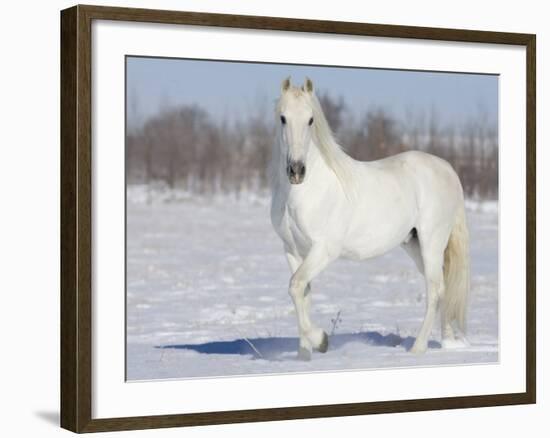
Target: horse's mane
{"type": "Point", "coordinates": [333, 154]}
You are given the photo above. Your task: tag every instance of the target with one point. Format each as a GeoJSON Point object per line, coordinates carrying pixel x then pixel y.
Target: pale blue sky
{"type": "Point", "coordinates": [234, 90]}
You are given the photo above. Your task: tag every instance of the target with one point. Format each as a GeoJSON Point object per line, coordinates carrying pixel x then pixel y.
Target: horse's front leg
{"type": "Point", "coordinates": [311, 337]}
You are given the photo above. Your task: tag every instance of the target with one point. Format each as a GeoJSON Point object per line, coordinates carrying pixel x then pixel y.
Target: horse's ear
{"type": "Point", "coordinates": [285, 85]}
{"type": "Point", "coordinates": [308, 86]}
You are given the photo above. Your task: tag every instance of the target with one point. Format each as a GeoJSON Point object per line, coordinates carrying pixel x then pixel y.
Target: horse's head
{"type": "Point", "coordinates": [295, 115]}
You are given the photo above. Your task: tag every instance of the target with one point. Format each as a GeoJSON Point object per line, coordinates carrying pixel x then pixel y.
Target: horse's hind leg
{"type": "Point", "coordinates": [412, 247]}
{"type": "Point", "coordinates": [447, 332]}
{"type": "Point", "coordinates": [432, 257]}
{"type": "Point", "coordinates": [311, 337]}
{"type": "Point", "coordinates": [449, 338]}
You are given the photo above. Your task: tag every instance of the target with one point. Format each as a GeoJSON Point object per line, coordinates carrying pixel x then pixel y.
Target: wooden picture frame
{"type": "Point", "coordinates": [76, 217]}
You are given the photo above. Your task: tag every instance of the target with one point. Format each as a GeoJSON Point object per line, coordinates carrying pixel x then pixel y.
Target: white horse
{"type": "Point", "coordinates": [327, 205]}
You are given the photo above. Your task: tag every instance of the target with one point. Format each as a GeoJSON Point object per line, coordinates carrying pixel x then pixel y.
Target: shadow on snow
{"type": "Point", "coordinates": [271, 348]}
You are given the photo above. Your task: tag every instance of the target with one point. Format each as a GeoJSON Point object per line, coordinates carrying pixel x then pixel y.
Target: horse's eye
{"type": "Point", "coordinates": [283, 120]}
{"type": "Point", "coordinates": [310, 121]}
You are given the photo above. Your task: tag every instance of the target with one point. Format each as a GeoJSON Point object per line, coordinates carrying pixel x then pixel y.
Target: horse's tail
{"type": "Point", "coordinates": [457, 272]}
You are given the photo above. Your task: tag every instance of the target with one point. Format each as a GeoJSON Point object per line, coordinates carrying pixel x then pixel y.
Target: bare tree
{"type": "Point", "coordinates": [184, 147]}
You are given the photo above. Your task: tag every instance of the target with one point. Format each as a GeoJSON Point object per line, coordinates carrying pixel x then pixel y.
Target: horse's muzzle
{"type": "Point", "coordinates": [296, 171]}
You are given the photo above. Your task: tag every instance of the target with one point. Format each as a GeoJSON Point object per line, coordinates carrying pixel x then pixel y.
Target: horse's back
{"type": "Point", "coordinates": [409, 190]}
{"type": "Point", "coordinates": [423, 171]}
{"type": "Point", "coordinates": [421, 163]}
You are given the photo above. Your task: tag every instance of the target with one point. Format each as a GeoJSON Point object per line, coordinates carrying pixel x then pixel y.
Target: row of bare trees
{"type": "Point", "coordinates": [186, 148]}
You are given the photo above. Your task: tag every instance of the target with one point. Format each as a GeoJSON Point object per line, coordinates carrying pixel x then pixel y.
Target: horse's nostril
{"type": "Point", "coordinates": [296, 169]}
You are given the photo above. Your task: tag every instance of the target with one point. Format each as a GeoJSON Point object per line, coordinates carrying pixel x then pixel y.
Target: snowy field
{"type": "Point", "coordinates": [207, 296]}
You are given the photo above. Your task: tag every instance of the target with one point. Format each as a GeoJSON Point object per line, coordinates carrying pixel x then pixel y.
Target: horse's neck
{"type": "Point", "coordinates": [315, 162]}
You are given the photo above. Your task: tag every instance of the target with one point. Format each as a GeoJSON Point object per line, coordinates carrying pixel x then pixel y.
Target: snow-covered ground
{"type": "Point", "coordinates": [207, 296]}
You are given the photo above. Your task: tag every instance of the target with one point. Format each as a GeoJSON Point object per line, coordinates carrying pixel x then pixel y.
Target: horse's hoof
{"type": "Point", "coordinates": [454, 343]}
{"type": "Point", "coordinates": [323, 347]}
{"type": "Point", "coordinates": [304, 354]}
{"type": "Point", "coordinates": [418, 348]}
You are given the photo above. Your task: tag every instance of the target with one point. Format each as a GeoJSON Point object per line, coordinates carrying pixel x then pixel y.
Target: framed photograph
{"type": "Point", "coordinates": [269, 218]}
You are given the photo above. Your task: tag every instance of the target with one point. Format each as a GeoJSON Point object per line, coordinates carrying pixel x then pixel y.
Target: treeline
{"type": "Point", "coordinates": [186, 148]}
